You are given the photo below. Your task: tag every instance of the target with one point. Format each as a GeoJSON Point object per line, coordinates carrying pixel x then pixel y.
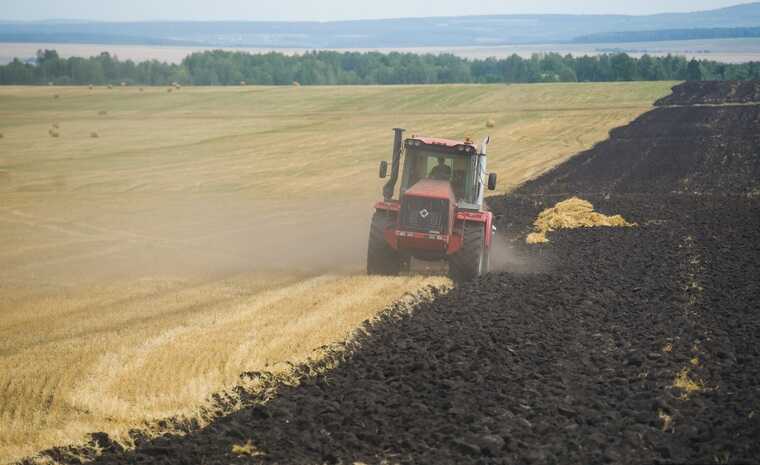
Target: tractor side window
{"type": "Point", "coordinates": [459, 177]}
{"type": "Point", "coordinates": [471, 179]}
{"type": "Point", "coordinates": [419, 170]}
{"type": "Point", "coordinates": [458, 183]}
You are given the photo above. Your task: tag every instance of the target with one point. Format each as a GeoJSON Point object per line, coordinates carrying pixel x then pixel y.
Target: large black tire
{"type": "Point", "coordinates": [381, 258]}
{"type": "Point", "coordinates": [472, 259]}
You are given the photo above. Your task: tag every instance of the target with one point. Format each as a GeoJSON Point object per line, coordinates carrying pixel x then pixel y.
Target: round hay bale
{"type": "Point", "coordinates": [94, 135]}
{"type": "Point", "coordinates": [490, 123]}
{"type": "Point", "coordinates": [55, 125]}
{"type": "Point", "coordinates": [296, 84]}
{"type": "Point", "coordinates": [110, 86]}
{"type": "Point", "coordinates": [141, 89]}
{"type": "Point", "coordinates": [90, 86]}
{"type": "Point", "coordinates": [54, 133]}
{"type": "Point", "coordinates": [1, 135]}
{"type": "Point", "coordinates": [56, 96]}
{"type": "Point", "coordinates": [170, 89]}
{"type": "Point", "coordinates": [102, 112]}
{"type": "Point", "coordinates": [242, 83]}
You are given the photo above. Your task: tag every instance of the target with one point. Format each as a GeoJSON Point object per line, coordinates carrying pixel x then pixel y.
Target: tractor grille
{"type": "Point", "coordinates": [422, 214]}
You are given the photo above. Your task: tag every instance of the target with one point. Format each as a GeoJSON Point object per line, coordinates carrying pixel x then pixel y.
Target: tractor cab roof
{"type": "Point", "coordinates": [467, 146]}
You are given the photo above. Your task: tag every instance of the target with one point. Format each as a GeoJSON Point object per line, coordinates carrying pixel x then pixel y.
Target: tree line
{"type": "Point", "coordinates": [220, 67]}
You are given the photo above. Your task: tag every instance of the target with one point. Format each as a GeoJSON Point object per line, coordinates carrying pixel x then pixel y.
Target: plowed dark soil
{"type": "Point", "coordinates": [575, 364]}
{"type": "Point", "coordinates": [712, 92]}
{"type": "Point", "coordinates": [693, 150]}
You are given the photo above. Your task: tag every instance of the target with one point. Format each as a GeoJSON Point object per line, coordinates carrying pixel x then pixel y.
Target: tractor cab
{"type": "Point", "coordinates": [441, 160]}
{"type": "Point", "coordinates": [439, 212]}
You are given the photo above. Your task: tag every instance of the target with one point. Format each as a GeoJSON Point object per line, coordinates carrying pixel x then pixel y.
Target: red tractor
{"type": "Point", "coordinates": [439, 214]}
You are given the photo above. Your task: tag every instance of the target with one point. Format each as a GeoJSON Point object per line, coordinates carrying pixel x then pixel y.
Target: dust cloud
{"type": "Point", "coordinates": [304, 236]}
{"type": "Point", "coordinates": [184, 236]}
{"type": "Point", "coordinates": [181, 236]}
{"type": "Point", "coordinates": [505, 257]}
{"type": "Point", "coordinates": [311, 237]}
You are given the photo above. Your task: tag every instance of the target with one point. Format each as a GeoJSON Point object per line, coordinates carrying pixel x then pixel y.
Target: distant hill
{"type": "Point", "coordinates": [408, 32]}
{"type": "Point", "coordinates": [86, 38]}
{"type": "Point", "coordinates": [669, 34]}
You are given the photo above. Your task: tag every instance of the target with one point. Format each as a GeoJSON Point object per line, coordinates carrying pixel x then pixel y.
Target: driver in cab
{"type": "Point", "coordinates": [441, 171]}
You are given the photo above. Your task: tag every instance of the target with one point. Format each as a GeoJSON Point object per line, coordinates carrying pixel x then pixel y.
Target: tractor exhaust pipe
{"type": "Point", "coordinates": [390, 186]}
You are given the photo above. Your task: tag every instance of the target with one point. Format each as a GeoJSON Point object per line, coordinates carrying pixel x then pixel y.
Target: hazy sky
{"type": "Point", "coordinates": [325, 10]}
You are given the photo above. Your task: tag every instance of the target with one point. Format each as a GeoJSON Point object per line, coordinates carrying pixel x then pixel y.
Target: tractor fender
{"type": "Point", "coordinates": [389, 206]}
{"type": "Point", "coordinates": [484, 217]}
{"type": "Point", "coordinates": [392, 209]}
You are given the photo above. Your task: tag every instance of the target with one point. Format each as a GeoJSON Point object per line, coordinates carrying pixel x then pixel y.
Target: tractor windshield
{"type": "Point", "coordinates": [459, 169]}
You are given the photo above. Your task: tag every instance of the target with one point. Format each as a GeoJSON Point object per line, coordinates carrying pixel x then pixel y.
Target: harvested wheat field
{"type": "Point", "coordinates": [164, 243]}
{"type": "Point", "coordinates": [630, 345]}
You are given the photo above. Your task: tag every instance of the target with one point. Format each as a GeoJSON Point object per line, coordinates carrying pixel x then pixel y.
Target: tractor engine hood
{"type": "Point", "coordinates": [428, 207]}
{"type": "Point", "coordinates": [432, 189]}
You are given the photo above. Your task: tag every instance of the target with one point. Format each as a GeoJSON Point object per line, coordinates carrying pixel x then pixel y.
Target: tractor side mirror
{"type": "Point", "coordinates": [383, 169]}
{"type": "Point", "coordinates": [492, 181]}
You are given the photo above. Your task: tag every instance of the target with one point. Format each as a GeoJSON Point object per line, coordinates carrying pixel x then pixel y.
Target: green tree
{"type": "Point", "coordinates": [694, 71]}
{"type": "Point", "coordinates": [329, 67]}
{"type": "Point", "coordinates": [623, 67]}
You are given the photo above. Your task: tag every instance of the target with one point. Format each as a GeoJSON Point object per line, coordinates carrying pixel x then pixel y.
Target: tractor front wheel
{"type": "Point", "coordinates": [472, 260]}
{"type": "Point", "coordinates": [381, 258]}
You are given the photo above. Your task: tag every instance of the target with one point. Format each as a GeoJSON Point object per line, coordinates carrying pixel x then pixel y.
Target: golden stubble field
{"type": "Point", "coordinates": [210, 231]}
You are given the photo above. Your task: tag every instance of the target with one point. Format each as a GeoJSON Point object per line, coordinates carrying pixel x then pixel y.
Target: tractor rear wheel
{"type": "Point", "coordinates": [381, 258]}
{"type": "Point", "coordinates": [472, 259]}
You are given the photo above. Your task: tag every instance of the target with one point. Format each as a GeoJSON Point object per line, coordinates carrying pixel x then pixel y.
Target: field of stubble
{"type": "Point", "coordinates": [164, 242]}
